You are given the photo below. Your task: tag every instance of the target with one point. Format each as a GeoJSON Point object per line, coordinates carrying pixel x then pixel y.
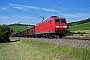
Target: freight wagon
{"type": "Point", "coordinates": [26, 33]}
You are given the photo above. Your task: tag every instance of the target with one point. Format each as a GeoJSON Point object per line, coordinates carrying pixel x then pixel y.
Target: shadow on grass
{"type": "Point", "coordinates": [9, 41]}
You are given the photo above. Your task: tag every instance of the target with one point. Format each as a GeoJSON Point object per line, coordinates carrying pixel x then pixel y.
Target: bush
{"type": "Point", "coordinates": [70, 33]}
{"type": "Point", "coordinates": [5, 32]}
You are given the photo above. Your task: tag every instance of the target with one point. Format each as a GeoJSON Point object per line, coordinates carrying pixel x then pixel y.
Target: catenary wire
{"type": "Point", "coordinates": [78, 7]}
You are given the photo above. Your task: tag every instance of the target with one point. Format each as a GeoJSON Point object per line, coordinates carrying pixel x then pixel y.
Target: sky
{"type": "Point", "coordinates": [30, 11]}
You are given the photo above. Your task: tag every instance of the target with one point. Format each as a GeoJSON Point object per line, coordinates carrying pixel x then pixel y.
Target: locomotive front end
{"type": "Point", "coordinates": [61, 27]}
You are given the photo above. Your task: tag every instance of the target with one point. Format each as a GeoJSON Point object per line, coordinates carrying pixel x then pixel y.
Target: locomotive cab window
{"type": "Point", "coordinates": [50, 22]}
{"type": "Point", "coordinates": [63, 21]}
{"type": "Point", "coordinates": [57, 21]}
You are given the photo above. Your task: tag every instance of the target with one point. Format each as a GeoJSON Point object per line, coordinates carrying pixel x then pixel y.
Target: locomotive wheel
{"type": "Point", "coordinates": [60, 36]}
{"type": "Point", "coordinates": [50, 36]}
{"type": "Point", "coordinates": [57, 36]}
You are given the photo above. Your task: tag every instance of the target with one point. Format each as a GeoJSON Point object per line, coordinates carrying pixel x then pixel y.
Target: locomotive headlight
{"type": "Point", "coordinates": [64, 26]}
{"type": "Point", "coordinates": [57, 26]}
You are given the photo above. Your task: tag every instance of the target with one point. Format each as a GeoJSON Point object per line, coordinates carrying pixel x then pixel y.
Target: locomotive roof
{"type": "Point", "coordinates": [56, 17]}
{"type": "Point", "coordinates": [52, 17]}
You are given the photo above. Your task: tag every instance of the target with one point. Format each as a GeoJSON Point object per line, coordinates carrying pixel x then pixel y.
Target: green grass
{"type": "Point", "coordinates": [80, 53]}
{"type": "Point", "coordinates": [2, 44]}
{"type": "Point", "coordinates": [17, 28]}
{"type": "Point", "coordinates": [34, 50]}
{"type": "Point", "coordinates": [85, 26]}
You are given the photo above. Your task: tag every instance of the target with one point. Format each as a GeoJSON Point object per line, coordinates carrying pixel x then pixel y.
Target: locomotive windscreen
{"type": "Point", "coordinates": [63, 21]}
{"type": "Point", "coordinates": [57, 21]}
{"type": "Point", "coordinates": [60, 21]}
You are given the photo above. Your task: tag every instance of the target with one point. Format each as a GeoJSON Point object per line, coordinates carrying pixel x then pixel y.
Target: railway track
{"type": "Point", "coordinates": [68, 38]}
{"type": "Point", "coordinates": [71, 38]}
{"type": "Point", "coordinates": [79, 42]}
{"type": "Point", "coordinates": [75, 38]}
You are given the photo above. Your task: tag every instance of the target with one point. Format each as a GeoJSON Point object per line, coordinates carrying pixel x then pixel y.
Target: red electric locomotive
{"type": "Point", "coordinates": [53, 27]}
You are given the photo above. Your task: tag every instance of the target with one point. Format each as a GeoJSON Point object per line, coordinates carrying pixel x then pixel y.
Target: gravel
{"type": "Point", "coordinates": [65, 42]}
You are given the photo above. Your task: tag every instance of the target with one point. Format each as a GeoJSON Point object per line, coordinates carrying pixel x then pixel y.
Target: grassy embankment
{"type": "Point", "coordinates": [82, 28]}
{"type": "Point", "coordinates": [33, 50]}
{"type": "Point", "coordinates": [85, 26]}
{"type": "Point", "coordinates": [18, 28]}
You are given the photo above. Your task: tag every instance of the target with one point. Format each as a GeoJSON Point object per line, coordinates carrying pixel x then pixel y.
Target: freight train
{"type": "Point", "coordinates": [53, 27]}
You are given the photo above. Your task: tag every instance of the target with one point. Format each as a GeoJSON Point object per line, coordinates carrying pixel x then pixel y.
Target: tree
{"type": "Point", "coordinates": [5, 33]}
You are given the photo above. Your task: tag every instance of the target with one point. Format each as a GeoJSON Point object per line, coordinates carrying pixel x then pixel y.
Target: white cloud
{"type": "Point", "coordinates": [24, 7]}
{"type": "Point", "coordinates": [76, 16]}
{"type": "Point", "coordinates": [4, 17]}
{"type": "Point", "coordinates": [71, 15]}
{"type": "Point", "coordinates": [63, 8]}
{"type": "Point", "coordinates": [4, 8]}
{"type": "Point", "coordinates": [32, 7]}
{"type": "Point", "coordinates": [27, 17]}
{"type": "Point", "coordinates": [16, 6]}
{"type": "Point", "coordinates": [50, 10]}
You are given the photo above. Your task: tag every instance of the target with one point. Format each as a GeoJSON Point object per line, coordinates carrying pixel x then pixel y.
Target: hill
{"type": "Point", "coordinates": [84, 26]}
{"type": "Point", "coordinates": [79, 22]}
{"type": "Point", "coordinates": [80, 28]}
{"type": "Point", "coordinates": [80, 25]}
{"type": "Point", "coordinates": [20, 27]}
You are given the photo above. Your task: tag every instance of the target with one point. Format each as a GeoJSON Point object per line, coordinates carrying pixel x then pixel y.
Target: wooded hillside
{"type": "Point", "coordinates": [79, 22]}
